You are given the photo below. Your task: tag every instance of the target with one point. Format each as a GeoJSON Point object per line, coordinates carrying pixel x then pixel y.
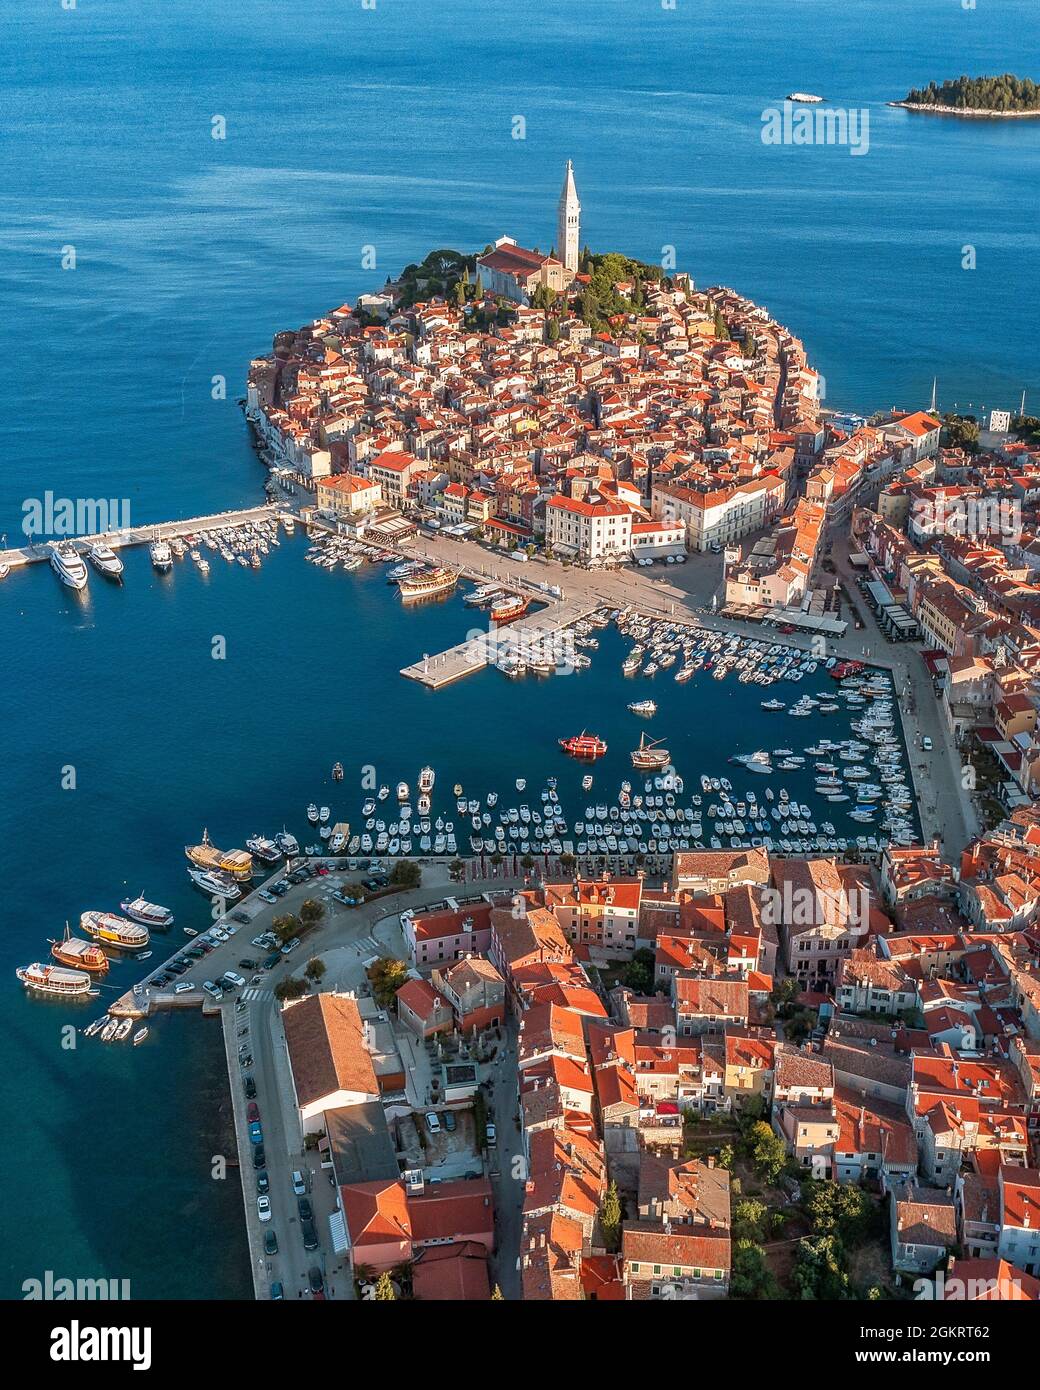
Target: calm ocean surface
{"type": "Point", "coordinates": [391, 129]}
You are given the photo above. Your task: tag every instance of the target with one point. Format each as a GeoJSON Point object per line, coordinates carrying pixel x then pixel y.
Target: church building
{"type": "Point", "coordinates": [515, 273]}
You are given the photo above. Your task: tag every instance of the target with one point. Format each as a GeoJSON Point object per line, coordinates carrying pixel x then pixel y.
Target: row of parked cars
{"type": "Point", "coordinates": [278, 889]}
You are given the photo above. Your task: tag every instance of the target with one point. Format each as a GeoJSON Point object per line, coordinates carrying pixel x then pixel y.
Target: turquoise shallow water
{"type": "Point", "coordinates": [389, 129]}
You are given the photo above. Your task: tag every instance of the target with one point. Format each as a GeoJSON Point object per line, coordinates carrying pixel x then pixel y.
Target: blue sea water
{"type": "Point", "coordinates": [350, 128]}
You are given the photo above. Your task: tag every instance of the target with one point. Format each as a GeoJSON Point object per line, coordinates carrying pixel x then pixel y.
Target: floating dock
{"type": "Point", "coordinates": [486, 648]}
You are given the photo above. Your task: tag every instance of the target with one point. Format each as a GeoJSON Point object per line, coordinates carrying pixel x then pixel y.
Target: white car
{"type": "Point", "coordinates": [433, 1124]}
{"type": "Point", "coordinates": [211, 988]}
{"type": "Point", "coordinates": [926, 744]}
{"type": "Point", "coordinates": [233, 979]}
{"type": "Point", "coordinates": [259, 941]}
{"type": "Point", "coordinates": [492, 1134]}
{"type": "Point", "coordinates": [263, 1208]}
{"type": "Point", "coordinates": [298, 1184]}
{"type": "Point", "coordinates": [183, 987]}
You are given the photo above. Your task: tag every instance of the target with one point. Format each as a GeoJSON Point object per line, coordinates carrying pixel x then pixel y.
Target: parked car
{"type": "Point", "coordinates": [926, 744]}
{"type": "Point", "coordinates": [259, 1157]}
{"type": "Point", "coordinates": [267, 897]}
{"type": "Point", "coordinates": [433, 1124]}
{"type": "Point", "coordinates": [252, 1111]}
{"type": "Point", "coordinates": [239, 916]}
{"type": "Point", "coordinates": [182, 987]}
{"type": "Point", "coordinates": [263, 1208]}
{"type": "Point", "coordinates": [272, 960]}
{"type": "Point", "coordinates": [303, 1206]}
{"type": "Point", "coordinates": [247, 963]}
{"type": "Point", "coordinates": [211, 988]}
{"type": "Point", "coordinates": [309, 1234]}
{"type": "Point", "coordinates": [271, 1243]}
{"type": "Point", "coordinates": [250, 1087]}
{"type": "Point", "coordinates": [316, 1282]}
{"type": "Point", "coordinates": [492, 1134]}
{"type": "Point", "coordinates": [277, 1291]}
{"type": "Point", "coordinates": [449, 1121]}
{"type": "Point", "coordinates": [263, 1182]}
{"type": "Point", "coordinates": [298, 1184]}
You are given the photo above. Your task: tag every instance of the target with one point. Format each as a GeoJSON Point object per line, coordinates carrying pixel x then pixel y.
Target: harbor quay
{"type": "Point", "coordinates": [346, 940]}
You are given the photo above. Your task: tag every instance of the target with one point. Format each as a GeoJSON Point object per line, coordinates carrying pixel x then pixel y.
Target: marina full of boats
{"type": "Point", "coordinates": [245, 544]}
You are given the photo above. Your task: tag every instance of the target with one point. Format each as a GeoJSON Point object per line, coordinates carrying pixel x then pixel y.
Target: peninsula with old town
{"type": "Point", "coordinates": [679, 1037]}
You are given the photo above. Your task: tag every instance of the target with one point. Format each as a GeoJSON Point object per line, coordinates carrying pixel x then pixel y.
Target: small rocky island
{"type": "Point", "coordinates": [976, 96]}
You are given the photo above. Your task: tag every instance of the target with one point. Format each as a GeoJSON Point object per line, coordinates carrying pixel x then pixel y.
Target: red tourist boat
{"type": "Point", "coordinates": [584, 745]}
{"type": "Point", "coordinates": [846, 668]}
{"type": "Point", "coordinates": [507, 610]}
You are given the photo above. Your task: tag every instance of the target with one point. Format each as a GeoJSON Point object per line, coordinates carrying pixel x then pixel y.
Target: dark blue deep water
{"type": "Point", "coordinates": [349, 128]}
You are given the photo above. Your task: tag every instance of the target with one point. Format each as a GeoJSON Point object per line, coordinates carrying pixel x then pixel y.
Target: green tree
{"type": "Point", "coordinates": [290, 989]}
{"type": "Point", "coordinates": [610, 1217]}
{"type": "Point", "coordinates": [311, 911]}
{"type": "Point", "coordinates": [748, 1218]}
{"type": "Point", "coordinates": [766, 1151]}
{"type": "Point", "coordinates": [819, 1270]}
{"type": "Point", "coordinates": [839, 1209]}
{"type": "Point", "coordinates": [749, 1275]}
{"type": "Point", "coordinates": [406, 874]}
{"type": "Point", "coordinates": [384, 1287]}
{"type": "Point", "coordinates": [961, 432]}
{"type": "Point", "coordinates": [315, 969]}
{"type": "Point", "coordinates": [285, 927]}
{"type": "Point", "coordinates": [638, 973]}
{"type": "Point", "coordinates": [456, 868]}
{"type": "Point", "coordinates": [387, 976]}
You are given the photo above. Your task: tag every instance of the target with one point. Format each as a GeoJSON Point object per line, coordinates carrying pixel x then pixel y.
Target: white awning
{"type": "Point", "coordinates": [338, 1231]}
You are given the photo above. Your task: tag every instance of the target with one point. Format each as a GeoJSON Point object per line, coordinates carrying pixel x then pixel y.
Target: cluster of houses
{"type": "Point", "coordinates": [952, 545]}
{"type": "Point", "coordinates": [920, 1076]}
{"type": "Point", "coordinates": [915, 1069]}
{"type": "Point", "coordinates": [683, 427]}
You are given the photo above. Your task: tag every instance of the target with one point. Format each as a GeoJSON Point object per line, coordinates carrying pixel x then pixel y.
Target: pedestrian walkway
{"type": "Point", "coordinates": [255, 992]}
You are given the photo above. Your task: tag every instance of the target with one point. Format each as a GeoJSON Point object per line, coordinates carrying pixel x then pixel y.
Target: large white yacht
{"type": "Point", "coordinates": [105, 560]}
{"type": "Point", "coordinates": [67, 563]}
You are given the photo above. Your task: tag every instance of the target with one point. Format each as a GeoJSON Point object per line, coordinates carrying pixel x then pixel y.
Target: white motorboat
{"type": "Point", "coordinates": [162, 555]}
{"type": "Point", "coordinates": [105, 560]}
{"type": "Point", "coordinates": [67, 564]}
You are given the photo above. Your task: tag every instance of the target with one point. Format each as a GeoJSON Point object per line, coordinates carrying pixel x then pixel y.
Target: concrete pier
{"type": "Point", "coordinates": [37, 551]}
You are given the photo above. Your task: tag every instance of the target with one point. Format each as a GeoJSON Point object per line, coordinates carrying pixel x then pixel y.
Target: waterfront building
{"type": "Point", "coordinates": [348, 495]}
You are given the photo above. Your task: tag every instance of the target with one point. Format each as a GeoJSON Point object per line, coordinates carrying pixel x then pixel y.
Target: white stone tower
{"type": "Point", "coordinates": [568, 223]}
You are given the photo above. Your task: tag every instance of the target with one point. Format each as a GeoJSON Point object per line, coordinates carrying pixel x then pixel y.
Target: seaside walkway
{"type": "Point", "coordinates": [485, 648]}
{"type": "Point", "coordinates": [36, 551]}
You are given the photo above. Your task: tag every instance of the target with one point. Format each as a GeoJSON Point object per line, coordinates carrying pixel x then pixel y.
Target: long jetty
{"type": "Point", "coordinates": [34, 552]}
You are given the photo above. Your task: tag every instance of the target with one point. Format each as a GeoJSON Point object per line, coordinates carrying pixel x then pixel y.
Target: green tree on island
{"type": "Point", "coordinates": [1000, 94]}
{"type": "Point", "coordinates": [315, 969]}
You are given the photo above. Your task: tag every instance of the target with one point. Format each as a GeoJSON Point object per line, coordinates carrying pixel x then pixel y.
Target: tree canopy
{"type": "Point", "coordinates": [1004, 93]}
